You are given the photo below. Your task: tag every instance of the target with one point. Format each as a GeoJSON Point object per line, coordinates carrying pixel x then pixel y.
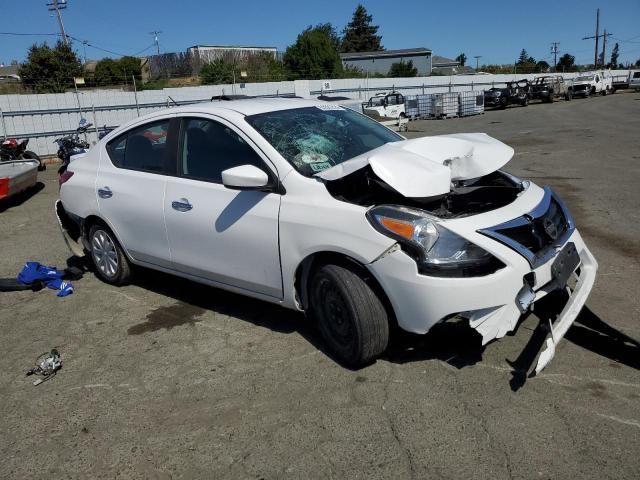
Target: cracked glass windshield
{"type": "Point", "coordinates": [314, 139]}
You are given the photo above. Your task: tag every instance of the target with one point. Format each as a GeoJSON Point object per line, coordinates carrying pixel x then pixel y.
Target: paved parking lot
{"type": "Point", "coordinates": [169, 379]}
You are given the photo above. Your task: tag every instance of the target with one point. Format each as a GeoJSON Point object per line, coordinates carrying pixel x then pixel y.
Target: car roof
{"type": "Point", "coordinates": [248, 106]}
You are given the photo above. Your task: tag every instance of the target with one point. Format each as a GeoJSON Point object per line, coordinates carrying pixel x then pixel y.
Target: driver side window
{"type": "Point", "coordinates": [207, 148]}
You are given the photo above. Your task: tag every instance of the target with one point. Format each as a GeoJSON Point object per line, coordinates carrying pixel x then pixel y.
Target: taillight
{"type": "Point", "coordinates": [64, 176]}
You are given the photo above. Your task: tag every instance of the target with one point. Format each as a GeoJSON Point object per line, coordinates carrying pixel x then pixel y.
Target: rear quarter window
{"type": "Point", "coordinates": [116, 149]}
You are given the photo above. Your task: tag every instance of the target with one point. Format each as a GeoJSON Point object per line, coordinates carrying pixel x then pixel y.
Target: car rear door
{"type": "Point", "coordinates": [228, 236]}
{"type": "Point", "coordinates": [130, 187]}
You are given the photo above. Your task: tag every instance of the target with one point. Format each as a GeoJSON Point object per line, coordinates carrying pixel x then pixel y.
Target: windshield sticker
{"type": "Point", "coordinates": [329, 107]}
{"type": "Point", "coordinates": [311, 157]}
{"type": "Point", "coordinates": [319, 166]}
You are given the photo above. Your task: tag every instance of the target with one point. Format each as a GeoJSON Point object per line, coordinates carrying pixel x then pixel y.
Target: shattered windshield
{"type": "Point", "coordinates": [314, 139]}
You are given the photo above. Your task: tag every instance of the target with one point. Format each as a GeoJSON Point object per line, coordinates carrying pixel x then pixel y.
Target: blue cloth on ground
{"type": "Point", "coordinates": [50, 276]}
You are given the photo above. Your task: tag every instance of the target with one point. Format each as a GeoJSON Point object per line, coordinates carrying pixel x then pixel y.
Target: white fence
{"type": "Point", "coordinates": [45, 117]}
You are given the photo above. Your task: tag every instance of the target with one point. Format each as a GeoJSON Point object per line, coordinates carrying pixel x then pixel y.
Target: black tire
{"type": "Point", "coordinates": [110, 262]}
{"type": "Point", "coordinates": [525, 102]}
{"type": "Point", "coordinates": [568, 97]}
{"type": "Point", "coordinates": [503, 103]}
{"type": "Point", "coordinates": [350, 316]}
{"type": "Point", "coordinates": [29, 155]}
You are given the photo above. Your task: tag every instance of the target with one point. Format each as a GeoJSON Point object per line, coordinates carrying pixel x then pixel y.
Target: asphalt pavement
{"type": "Point", "coordinates": [169, 379]}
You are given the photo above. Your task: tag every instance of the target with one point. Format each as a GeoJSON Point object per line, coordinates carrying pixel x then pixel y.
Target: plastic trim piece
{"type": "Point", "coordinates": [543, 256]}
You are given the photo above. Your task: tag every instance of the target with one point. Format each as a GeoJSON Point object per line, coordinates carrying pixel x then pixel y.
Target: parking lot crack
{"type": "Point", "coordinates": [392, 426]}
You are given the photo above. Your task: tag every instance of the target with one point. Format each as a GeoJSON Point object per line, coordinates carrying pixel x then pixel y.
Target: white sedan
{"type": "Point", "coordinates": [321, 209]}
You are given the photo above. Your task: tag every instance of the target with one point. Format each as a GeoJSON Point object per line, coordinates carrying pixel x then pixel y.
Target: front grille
{"type": "Point", "coordinates": [537, 234]}
{"type": "Point", "coordinates": [579, 88]}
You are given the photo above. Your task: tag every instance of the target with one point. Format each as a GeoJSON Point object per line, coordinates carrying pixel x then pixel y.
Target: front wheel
{"type": "Point", "coordinates": [568, 97]}
{"type": "Point", "coordinates": [110, 261]}
{"type": "Point", "coordinates": [29, 155]}
{"type": "Point", "coordinates": [350, 316]}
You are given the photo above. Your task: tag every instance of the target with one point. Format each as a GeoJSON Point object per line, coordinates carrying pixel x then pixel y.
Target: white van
{"type": "Point", "coordinates": [634, 80]}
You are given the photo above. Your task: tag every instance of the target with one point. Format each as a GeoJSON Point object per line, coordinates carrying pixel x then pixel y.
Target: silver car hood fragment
{"type": "Point", "coordinates": [425, 167]}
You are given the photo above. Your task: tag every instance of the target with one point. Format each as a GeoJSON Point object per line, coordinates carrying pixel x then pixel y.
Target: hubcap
{"type": "Point", "coordinates": [104, 253]}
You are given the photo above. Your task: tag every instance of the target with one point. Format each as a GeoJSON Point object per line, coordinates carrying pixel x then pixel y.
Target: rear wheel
{"type": "Point", "coordinates": [350, 316]}
{"type": "Point", "coordinates": [525, 101]}
{"type": "Point", "coordinates": [110, 261]}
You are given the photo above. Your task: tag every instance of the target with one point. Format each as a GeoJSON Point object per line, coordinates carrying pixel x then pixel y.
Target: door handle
{"type": "Point", "coordinates": [105, 192]}
{"type": "Point", "coordinates": [181, 205]}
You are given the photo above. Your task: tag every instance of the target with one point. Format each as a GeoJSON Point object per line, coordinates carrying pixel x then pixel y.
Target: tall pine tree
{"type": "Point", "coordinates": [359, 35]}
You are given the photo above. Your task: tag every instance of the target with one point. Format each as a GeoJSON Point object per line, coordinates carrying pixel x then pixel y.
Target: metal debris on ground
{"type": "Point", "coordinates": [47, 365]}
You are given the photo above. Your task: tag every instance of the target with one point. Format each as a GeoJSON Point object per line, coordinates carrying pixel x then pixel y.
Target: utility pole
{"type": "Point", "coordinates": [156, 40]}
{"type": "Point", "coordinates": [597, 36]}
{"type": "Point", "coordinates": [554, 51]}
{"type": "Point", "coordinates": [477, 57]}
{"type": "Point", "coordinates": [57, 5]}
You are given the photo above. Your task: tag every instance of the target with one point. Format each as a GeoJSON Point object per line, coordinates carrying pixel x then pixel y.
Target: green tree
{"type": "Point", "coordinates": [313, 55]}
{"type": "Point", "coordinates": [403, 69]}
{"type": "Point", "coordinates": [524, 57]}
{"type": "Point", "coordinates": [615, 53]}
{"type": "Point", "coordinates": [331, 32]}
{"type": "Point", "coordinates": [261, 68]}
{"type": "Point", "coordinates": [462, 58]}
{"type": "Point", "coordinates": [542, 66]}
{"type": "Point", "coordinates": [50, 70]}
{"type": "Point", "coordinates": [566, 63]}
{"type": "Point", "coordinates": [216, 72]}
{"type": "Point", "coordinates": [116, 72]}
{"type": "Point", "coordinates": [360, 35]}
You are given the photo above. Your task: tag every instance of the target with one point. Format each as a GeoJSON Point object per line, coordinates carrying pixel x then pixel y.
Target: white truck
{"type": "Point", "coordinates": [634, 80]}
{"type": "Point", "coordinates": [591, 83]}
{"type": "Point", "coordinates": [385, 106]}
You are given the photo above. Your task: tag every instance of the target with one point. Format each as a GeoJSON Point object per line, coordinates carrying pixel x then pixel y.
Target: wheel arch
{"type": "Point", "coordinates": [94, 219]}
{"type": "Point", "coordinates": [313, 261]}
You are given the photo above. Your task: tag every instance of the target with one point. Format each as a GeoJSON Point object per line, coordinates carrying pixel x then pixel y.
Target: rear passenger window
{"type": "Point", "coordinates": [143, 148]}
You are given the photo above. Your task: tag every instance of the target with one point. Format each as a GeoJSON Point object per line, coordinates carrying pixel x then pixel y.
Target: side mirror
{"type": "Point", "coordinates": [245, 177]}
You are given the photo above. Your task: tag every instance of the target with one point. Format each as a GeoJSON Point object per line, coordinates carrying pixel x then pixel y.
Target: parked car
{"type": "Point", "coordinates": [515, 93]}
{"type": "Point", "coordinates": [634, 80]}
{"type": "Point", "coordinates": [321, 209]}
{"type": "Point", "coordinates": [588, 84]}
{"type": "Point", "coordinates": [385, 106]}
{"type": "Point", "coordinates": [546, 88]}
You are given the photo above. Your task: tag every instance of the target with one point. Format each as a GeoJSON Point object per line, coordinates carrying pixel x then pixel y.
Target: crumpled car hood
{"type": "Point", "coordinates": [425, 167]}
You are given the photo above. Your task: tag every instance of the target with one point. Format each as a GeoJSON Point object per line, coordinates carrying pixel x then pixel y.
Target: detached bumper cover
{"type": "Point", "coordinates": [70, 230]}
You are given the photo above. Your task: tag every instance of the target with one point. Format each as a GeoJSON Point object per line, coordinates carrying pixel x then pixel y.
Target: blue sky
{"type": "Point", "coordinates": [495, 29]}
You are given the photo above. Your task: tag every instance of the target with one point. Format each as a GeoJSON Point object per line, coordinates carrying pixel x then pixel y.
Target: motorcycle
{"type": "Point", "coordinates": [70, 145]}
{"type": "Point", "coordinates": [10, 149]}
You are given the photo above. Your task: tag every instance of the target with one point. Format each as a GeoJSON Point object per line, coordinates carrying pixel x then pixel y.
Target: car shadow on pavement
{"type": "Point", "coordinates": [193, 299]}
{"type": "Point", "coordinates": [19, 198]}
{"type": "Point", "coordinates": [453, 342]}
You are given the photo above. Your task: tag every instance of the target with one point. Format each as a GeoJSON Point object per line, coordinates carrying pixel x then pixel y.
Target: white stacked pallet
{"type": "Point", "coordinates": [471, 103]}
{"type": "Point", "coordinates": [445, 105]}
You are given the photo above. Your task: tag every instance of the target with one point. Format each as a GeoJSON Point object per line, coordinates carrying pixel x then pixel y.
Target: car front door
{"type": "Point", "coordinates": [130, 188]}
{"type": "Point", "coordinates": [227, 236]}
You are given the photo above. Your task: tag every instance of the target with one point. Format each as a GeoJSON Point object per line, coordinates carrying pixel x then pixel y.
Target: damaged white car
{"type": "Point", "coordinates": [321, 209]}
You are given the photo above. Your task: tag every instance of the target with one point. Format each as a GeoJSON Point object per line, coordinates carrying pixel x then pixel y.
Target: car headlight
{"type": "Point", "coordinates": [497, 93]}
{"type": "Point", "coordinates": [436, 250]}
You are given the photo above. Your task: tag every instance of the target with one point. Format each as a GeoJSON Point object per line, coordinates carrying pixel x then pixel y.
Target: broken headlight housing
{"type": "Point", "coordinates": [436, 250]}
